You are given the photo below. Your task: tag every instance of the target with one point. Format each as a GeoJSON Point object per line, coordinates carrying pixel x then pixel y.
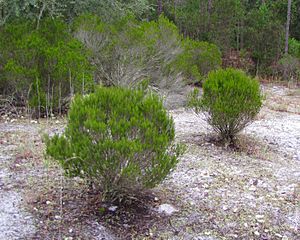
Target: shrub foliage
{"type": "Point", "coordinates": [289, 67]}
{"type": "Point", "coordinates": [294, 47]}
{"type": "Point", "coordinates": [42, 67]}
{"type": "Point", "coordinates": [230, 101]}
{"type": "Point", "coordinates": [120, 139]}
{"type": "Point", "coordinates": [127, 51]}
{"type": "Point", "coordinates": [198, 59]}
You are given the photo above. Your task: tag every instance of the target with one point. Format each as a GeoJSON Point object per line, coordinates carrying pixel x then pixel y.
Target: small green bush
{"type": "Point", "coordinates": [230, 101]}
{"type": "Point", "coordinates": [289, 67]}
{"type": "Point", "coordinates": [119, 139]}
{"type": "Point", "coordinates": [294, 47]}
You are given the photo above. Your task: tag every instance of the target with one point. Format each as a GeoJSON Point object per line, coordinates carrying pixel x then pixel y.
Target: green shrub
{"type": "Point", "coordinates": [119, 139]}
{"type": "Point", "coordinates": [230, 101]}
{"type": "Point", "coordinates": [262, 36]}
{"type": "Point", "coordinates": [294, 47]}
{"type": "Point", "coordinates": [289, 67]}
{"type": "Point", "coordinates": [128, 51]}
{"type": "Point", "coordinates": [51, 55]}
{"type": "Point", "coordinates": [198, 59]}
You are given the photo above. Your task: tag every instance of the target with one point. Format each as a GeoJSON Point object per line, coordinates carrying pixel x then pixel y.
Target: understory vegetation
{"type": "Point", "coordinates": [110, 65]}
{"type": "Point", "coordinates": [42, 67]}
{"type": "Point", "coordinates": [51, 50]}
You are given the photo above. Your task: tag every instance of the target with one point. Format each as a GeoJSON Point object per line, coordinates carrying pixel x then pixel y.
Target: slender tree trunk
{"type": "Point", "coordinates": [287, 31]}
{"type": "Point", "coordinates": [59, 99]}
{"type": "Point", "coordinates": [52, 98]}
{"type": "Point", "coordinates": [48, 98]}
{"type": "Point", "coordinates": [39, 98]}
{"type": "Point", "coordinates": [209, 10]}
{"type": "Point", "coordinates": [238, 37]}
{"type": "Point", "coordinates": [242, 34]}
{"type": "Point", "coordinates": [40, 15]}
{"type": "Point", "coordinates": [159, 7]}
{"type": "Point", "coordinates": [29, 112]}
{"type": "Point", "coordinates": [257, 67]}
{"type": "Point", "coordinates": [83, 84]}
{"type": "Point", "coordinates": [71, 86]}
{"type": "Point", "coordinates": [4, 16]}
{"type": "Point", "coordinates": [175, 16]}
{"type": "Point", "coordinates": [2, 13]}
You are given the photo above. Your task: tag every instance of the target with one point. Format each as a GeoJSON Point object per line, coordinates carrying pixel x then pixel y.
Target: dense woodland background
{"type": "Point", "coordinates": [53, 49]}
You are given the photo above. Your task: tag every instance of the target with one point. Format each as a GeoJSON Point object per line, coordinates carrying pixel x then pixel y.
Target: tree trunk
{"type": "Point", "coordinates": [242, 34]}
{"type": "Point", "coordinates": [287, 30]}
{"type": "Point", "coordinates": [39, 97]}
{"type": "Point", "coordinates": [174, 5]}
{"type": "Point", "coordinates": [40, 15]}
{"type": "Point", "coordinates": [2, 13]}
{"type": "Point", "coordinates": [48, 98]}
{"type": "Point", "coordinates": [288, 20]}
{"type": "Point", "coordinates": [71, 85]}
{"type": "Point", "coordinates": [59, 100]}
{"type": "Point", "coordinates": [83, 84]}
{"type": "Point", "coordinates": [52, 99]}
{"type": "Point", "coordinates": [209, 10]}
{"type": "Point", "coordinates": [159, 7]}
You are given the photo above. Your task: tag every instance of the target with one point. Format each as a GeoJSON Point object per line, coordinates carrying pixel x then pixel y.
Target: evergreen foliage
{"type": "Point", "coordinates": [254, 26]}
{"type": "Point", "coordinates": [120, 139]}
{"type": "Point", "coordinates": [294, 47]}
{"type": "Point", "coordinates": [43, 66]}
{"type": "Point", "coordinates": [52, 49]}
{"type": "Point", "coordinates": [264, 36]}
{"type": "Point", "coordinates": [230, 101]}
{"type": "Point", "coordinates": [198, 59]}
{"type": "Point", "coordinates": [289, 67]}
{"type": "Point", "coordinates": [37, 10]}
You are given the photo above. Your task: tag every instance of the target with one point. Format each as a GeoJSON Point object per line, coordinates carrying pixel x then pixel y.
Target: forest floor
{"type": "Point", "coordinates": [251, 192]}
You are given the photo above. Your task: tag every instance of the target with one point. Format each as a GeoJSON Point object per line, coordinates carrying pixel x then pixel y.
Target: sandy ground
{"type": "Point", "coordinates": [23, 177]}
{"type": "Point", "coordinates": [15, 222]}
{"type": "Point", "coordinates": [249, 194]}
{"type": "Point", "coordinates": [253, 193]}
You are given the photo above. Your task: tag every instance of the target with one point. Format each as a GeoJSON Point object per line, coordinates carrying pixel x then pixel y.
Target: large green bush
{"type": "Point", "coordinates": [120, 139]}
{"type": "Point", "coordinates": [43, 67]}
{"type": "Point", "coordinates": [230, 101]}
{"type": "Point", "coordinates": [127, 51]}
